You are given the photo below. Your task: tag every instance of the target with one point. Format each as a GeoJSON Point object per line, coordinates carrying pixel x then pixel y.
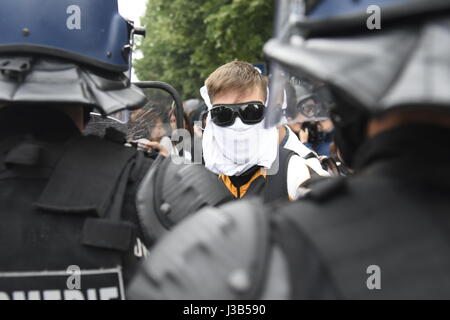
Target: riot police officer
{"type": "Point", "coordinates": [381, 233]}
{"type": "Point", "coordinates": [69, 217]}
{"type": "Point", "coordinates": [67, 200]}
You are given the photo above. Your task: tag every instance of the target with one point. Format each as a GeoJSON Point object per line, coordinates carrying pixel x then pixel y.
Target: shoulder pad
{"type": "Point", "coordinates": [219, 253]}
{"type": "Point", "coordinates": [172, 190]}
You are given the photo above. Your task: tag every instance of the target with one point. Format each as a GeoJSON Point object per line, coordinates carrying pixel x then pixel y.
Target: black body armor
{"type": "Point", "coordinates": [67, 211]}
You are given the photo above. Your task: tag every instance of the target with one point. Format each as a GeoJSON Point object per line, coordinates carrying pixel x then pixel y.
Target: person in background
{"type": "Point", "coordinates": [198, 122]}
{"type": "Point", "coordinates": [187, 152]}
{"type": "Point", "coordinates": [318, 136]}
{"type": "Point", "coordinates": [291, 131]}
{"type": "Point", "coordinates": [147, 127]}
{"type": "Point", "coordinates": [191, 105]}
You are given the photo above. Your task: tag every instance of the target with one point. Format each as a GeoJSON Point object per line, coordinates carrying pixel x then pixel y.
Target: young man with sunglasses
{"type": "Point", "coordinates": [237, 147]}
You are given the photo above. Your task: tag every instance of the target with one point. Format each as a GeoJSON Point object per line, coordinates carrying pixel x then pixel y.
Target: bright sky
{"type": "Point", "coordinates": [133, 10]}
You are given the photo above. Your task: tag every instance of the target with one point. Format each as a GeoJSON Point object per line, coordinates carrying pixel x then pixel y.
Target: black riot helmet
{"type": "Point", "coordinates": [368, 57]}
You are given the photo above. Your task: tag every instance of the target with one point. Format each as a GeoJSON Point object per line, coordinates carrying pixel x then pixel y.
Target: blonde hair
{"type": "Point", "coordinates": [237, 75]}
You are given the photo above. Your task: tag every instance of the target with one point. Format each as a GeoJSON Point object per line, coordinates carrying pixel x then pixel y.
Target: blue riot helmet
{"type": "Point", "coordinates": [369, 57]}
{"type": "Point", "coordinates": [67, 52]}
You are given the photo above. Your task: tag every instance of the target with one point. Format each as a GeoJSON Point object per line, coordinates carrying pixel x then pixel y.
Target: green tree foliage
{"type": "Point", "coordinates": [187, 39]}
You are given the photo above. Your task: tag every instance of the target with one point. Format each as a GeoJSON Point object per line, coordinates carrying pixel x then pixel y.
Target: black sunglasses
{"type": "Point", "coordinates": [249, 112]}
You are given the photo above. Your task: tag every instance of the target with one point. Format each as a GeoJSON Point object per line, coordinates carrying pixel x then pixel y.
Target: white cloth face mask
{"type": "Point", "coordinates": [234, 149]}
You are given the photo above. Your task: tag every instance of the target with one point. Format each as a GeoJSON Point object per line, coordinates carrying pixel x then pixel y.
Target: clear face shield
{"type": "Point", "coordinates": [155, 120]}
{"type": "Point", "coordinates": [295, 97]}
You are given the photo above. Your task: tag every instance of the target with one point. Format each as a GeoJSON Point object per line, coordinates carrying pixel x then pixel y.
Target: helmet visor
{"type": "Point", "coordinates": [293, 95]}
{"type": "Point", "coordinates": [296, 97]}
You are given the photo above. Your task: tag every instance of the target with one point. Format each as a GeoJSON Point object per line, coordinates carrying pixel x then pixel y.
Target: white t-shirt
{"type": "Point", "coordinates": [298, 172]}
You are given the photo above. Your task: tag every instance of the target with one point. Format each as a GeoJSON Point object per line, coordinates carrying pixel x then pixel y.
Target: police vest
{"type": "Point", "coordinates": [63, 234]}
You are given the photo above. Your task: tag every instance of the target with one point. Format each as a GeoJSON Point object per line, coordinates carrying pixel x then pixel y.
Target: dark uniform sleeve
{"type": "Point", "coordinates": [140, 169]}
{"type": "Point", "coordinates": [231, 252]}
{"type": "Point", "coordinates": [129, 213]}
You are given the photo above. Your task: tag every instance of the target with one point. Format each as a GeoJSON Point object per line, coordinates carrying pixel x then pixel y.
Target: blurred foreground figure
{"type": "Point", "coordinates": [67, 200]}
{"type": "Point", "coordinates": [381, 233]}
